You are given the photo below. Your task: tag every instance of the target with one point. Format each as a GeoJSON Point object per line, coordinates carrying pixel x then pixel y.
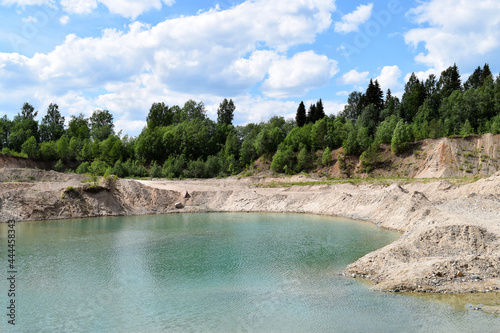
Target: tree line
{"type": "Point", "coordinates": [184, 142]}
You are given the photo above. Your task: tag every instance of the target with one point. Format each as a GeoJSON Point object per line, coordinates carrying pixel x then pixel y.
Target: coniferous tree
{"type": "Point", "coordinates": [301, 117]}
{"type": "Point", "coordinates": [320, 110]}
{"type": "Point", "coordinates": [449, 81]}
{"type": "Point", "coordinates": [311, 114]}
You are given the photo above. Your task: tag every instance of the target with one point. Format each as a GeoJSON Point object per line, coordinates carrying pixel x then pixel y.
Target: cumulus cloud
{"type": "Point", "coordinates": [196, 54]}
{"type": "Point", "coordinates": [457, 31]}
{"type": "Point", "coordinates": [30, 19]}
{"type": "Point", "coordinates": [23, 3]}
{"type": "Point", "coordinates": [295, 76]}
{"type": "Point", "coordinates": [64, 20]}
{"type": "Point", "coordinates": [79, 6]}
{"type": "Point", "coordinates": [126, 8]}
{"type": "Point", "coordinates": [389, 78]}
{"type": "Point", "coordinates": [351, 22]}
{"type": "Point", "coordinates": [212, 54]}
{"type": "Point", "coordinates": [354, 77]}
{"type": "Point", "coordinates": [133, 8]}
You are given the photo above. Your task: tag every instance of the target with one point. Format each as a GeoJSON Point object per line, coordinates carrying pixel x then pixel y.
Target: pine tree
{"type": "Point", "coordinates": [449, 81]}
{"type": "Point", "coordinates": [301, 117]}
{"type": "Point", "coordinates": [311, 114]}
{"type": "Point", "coordinates": [320, 110]}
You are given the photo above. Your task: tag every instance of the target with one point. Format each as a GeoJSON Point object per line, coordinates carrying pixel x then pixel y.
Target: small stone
{"type": "Point", "coordinates": [179, 205]}
{"type": "Point", "coordinates": [460, 274]}
{"type": "Point", "coordinates": [185, 194]}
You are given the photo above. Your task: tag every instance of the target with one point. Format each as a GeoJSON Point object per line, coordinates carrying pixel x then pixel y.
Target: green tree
{"type": "Point", "coordinates": [282, 160]}
{"type": "Point", "coordinates": [52, 126]}
{"type": "Point", "coordinates": [101, 125]}
{"type": "Point", "coordinates": [62, 148]}
{"type": "Point", "coordinates": [326, 157]}
{"type": "Point", "coordinates": [303, 160]}
{"type": "Point", "coordinates": [78, 127]}
{"type": "Point", "coordinates": [24, 126]}
{"type": "Point", "coordinates": [225, 112]}
{"type": "Point", "coordinates": [400, 138]}
{"type": "Point", "coordinates": [30, 147]}
{"type": "Point", "coordinates": [449, 81]}
{"type": "Point", "coordinates": [159, 115]}
{"type": "Point", "coordinates": [301, 117]}
{"type": "Point", "coordinates": [413, 97]}
{"type": "Point", "coordinates": [354, 106]}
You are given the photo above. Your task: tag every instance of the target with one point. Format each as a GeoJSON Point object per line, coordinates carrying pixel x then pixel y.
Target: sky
{"type": "Point", "coordinates": [266, 55]}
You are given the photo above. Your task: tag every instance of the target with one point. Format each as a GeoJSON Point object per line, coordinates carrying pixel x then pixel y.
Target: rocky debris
{"type": "Point", "coordinates": [185, 194]}
{"type": "Point", "coordinates": [179, 205]}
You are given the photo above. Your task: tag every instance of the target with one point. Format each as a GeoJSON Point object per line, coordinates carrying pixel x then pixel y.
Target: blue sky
{"type": "Point", "coordinates": [267, 55]}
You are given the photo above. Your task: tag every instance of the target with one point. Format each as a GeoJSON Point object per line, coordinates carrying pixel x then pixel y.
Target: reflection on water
{"type": "Point", "coordinates": [216, 273]}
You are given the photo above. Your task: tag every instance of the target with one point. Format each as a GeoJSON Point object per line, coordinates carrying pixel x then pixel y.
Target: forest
{"type": "Point", "coordinates": [182, 142]}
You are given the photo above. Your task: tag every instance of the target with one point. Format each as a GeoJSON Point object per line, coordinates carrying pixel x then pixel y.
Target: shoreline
{"type": "Point", "coordinates": [450, 240]}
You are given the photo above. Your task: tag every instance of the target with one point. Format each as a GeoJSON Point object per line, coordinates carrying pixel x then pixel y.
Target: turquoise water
{"type": "Point", "coordinates": [211, 273]}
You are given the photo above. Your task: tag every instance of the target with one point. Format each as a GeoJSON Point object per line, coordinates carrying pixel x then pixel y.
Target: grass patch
{"type": "Point", "coordinates": [384, 181]}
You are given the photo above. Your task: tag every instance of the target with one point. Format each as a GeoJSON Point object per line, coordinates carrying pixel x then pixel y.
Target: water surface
{"type": "Point", "coordinates": [212, 273]}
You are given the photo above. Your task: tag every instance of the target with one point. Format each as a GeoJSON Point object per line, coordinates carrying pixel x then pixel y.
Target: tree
{"type": "Point", "coordinates": [320, 110]}
{"type": "Point", "coordinates": [62, 148]}
{"type": "Point", "coordinates": [225, 112]}
{"type": "Point", "coordinates": [301, 117]}
{"type": "Point", "coordinates": [326, 157]}
{"type": "Point", "coordinates": [78, 127]}
{"type": "Point", "coordinates": [374, 95]}
{"type": "Point", "coordinates": [354, 106]}
{"type": "Point", "coordinates": [449, 81]}
{"type": "Point", "coordinates": [400, 138]}
{"type": "Point", "coordinates": [101, 125]}
{"type": "Point", "coordinates": [159, 116]}
{"type": "Point", "coordinates": [30, 147]}
{"type": "Point", "coordinates": [24, 126]}
{"type": "Point", "coordinates": [52, 127]}
{"type": "Point", "coordinates": [311, 114]}
{"type": "Point", "coordinates": [413, 97]}
{"type": "Point", "coordinates": [193, 110]}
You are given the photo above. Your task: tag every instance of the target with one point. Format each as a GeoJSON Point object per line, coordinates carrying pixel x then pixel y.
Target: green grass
{"type": "Point", "coordinates": [384, 181]}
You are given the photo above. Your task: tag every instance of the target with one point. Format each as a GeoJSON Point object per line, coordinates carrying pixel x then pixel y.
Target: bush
{"type": "Point", "coordinates": [59, 166]}
{"type": "Point", "coordinates": [83, 168]}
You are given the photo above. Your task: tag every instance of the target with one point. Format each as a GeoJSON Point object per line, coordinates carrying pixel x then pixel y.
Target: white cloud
{"type": "Point", "coordinates": [126, 8]}
{"type": "Point", "coordinates": [133, 8]}
{"type": "Point", "coordinates": [30, 19]}
{"type": "Point", "coordinates": [458, 31]}
{"type": "Point", "coordinates": [295, 76]}
{"type": "Point", "coordinates": [23, 3]}
{"type": "Point", "coordinates": [215, 53]}
{"type": "Point", "coordinates": [354, 77]}
{"type": "Point", "coordinates": [351, 22]}
{"type": "Point", "coordinates": [64, 20]}
{"type": "Point", "coordinates": [389, 78]}
{"type": "Point", "coordinates": [79, 6]}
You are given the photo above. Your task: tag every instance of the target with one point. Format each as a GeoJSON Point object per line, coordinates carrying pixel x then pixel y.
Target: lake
{"type": "Point", "coordinates": [232, 272]}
